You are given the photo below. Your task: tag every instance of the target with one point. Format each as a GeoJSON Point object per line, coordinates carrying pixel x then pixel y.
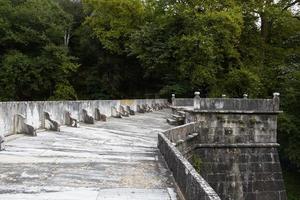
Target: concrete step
{"type": "Point", "coordinates": [172, 121]}
{"type": "Point", "coordinates": [181, 113]}
{"type": "Point", "coordinates": [177, 117]}
{"type": "Point", "coordinates": [175, 122]}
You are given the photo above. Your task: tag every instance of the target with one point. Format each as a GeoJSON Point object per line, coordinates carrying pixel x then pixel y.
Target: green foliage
{"type": "Point", "coordinates": [91, 49]}
{"type": "Point", "coordinates": [292, 184]}
{"type": "Point", "coordinates": [33, 49]}
{"type": "Point", "coordinates": [241, 81]}
{"type": "Point", "coordinates": [196, 161]}
{"type": "Point", "coordinates": [112, 21]}
{"type": "Point", "coordinates": [64, 91]}
{"type": "Point", "coordinates": [183, 45]}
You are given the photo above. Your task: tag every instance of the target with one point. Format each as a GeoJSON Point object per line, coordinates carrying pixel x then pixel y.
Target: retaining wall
{"type": "Point", "coordinates": [191, 184]}
{"type": "Point", "coordinates": [33, 111]}
{"type": "Point", "coordinates": [233, 144]}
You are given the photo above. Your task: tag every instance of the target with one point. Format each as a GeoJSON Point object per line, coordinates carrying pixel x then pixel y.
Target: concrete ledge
{"type": "Point", "coordinates": [191, 184]}
{"type": "Point", "coordinates": [249, 145]}
{"type": "Point", "coordinates": [230, 104]}
{"type": "Point", "coordinates": [21, 127]}
{"type": "Point", "coordinates": [2, 144]}
{"type": "Point", "coordinates": [191, 109]}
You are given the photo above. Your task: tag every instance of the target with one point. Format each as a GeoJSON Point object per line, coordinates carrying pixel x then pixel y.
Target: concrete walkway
{"type": "Point", "coordinates": [115, 160]}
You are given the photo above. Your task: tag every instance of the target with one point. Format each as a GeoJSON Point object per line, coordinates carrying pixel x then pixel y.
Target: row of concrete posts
{"type": "Point", "coordinates": [21, 127]}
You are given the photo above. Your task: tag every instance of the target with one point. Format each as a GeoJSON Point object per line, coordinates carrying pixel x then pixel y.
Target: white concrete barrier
{"type": "Point", "coordinates": [33, 111]}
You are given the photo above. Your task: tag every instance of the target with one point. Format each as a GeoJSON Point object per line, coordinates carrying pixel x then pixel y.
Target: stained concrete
{"type": "Point", "coordinates": [117, 159]}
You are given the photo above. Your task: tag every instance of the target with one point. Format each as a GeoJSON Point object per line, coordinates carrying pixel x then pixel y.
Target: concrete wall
{"type": "Point", "coordinates": [231, 104]}
{"type": "Point", "coordinates": [191, 184]}
{"type": "Point", "coordinates": [243, 173]}
{"type": "Point", "coordinates": [33, 111]}
{"type": "Point", "coordinates": [232, 128]}
{"type": "Point", "coordinates": [184, 102]}
{"type": "Point", "coordinates": [236, 149]}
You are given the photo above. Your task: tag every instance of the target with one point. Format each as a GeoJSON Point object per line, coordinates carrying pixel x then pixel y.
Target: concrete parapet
{"type": "Point", "coordinates": [244, 104]}
{"type": "Point", "coordinates": [50, 124]}
{"type": "Point", "coordinates": [21, 127]}
{"type": "Point", "coordinates": [33, 111]}
{"type": "Point", "coordinates": [70, 121]}
{"type": "Point", "coordinates": [234, 150]}
{"type": "Point", "coordinates": [191, 184]}
{"type": "Point", "coordinates": [2, 143]}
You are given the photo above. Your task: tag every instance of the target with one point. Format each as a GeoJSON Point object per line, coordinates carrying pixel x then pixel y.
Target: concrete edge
{"type": "Point", "coordinates": [199, 188]}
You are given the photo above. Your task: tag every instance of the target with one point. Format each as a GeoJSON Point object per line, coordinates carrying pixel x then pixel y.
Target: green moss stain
{"type": "Point", "coordinates": [196, 161]}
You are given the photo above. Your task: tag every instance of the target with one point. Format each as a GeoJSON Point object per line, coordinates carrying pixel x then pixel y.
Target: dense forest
{"type": "Point", "coordinates": [112, 49]}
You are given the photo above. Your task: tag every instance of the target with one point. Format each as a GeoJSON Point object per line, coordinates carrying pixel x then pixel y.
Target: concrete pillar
{"type": "Point", "coordinates": [197, 101]}
{"type": "Point", "coordinates": [245, 96]}
{"type": "Point", "coordinates": [173, 100]}
{"type": "Point", "coordinates": [276, 101]}
{"type": "Point", "coordinates": [2, 145]}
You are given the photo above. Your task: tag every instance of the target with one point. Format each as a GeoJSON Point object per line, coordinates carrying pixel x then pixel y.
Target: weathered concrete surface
{"type": "Point", "coordinates": [33, 111]}
{"type": "Point", "coordinates": [117, 159]}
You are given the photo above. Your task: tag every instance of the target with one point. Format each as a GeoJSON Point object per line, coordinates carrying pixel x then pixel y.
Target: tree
{"type": "Point", "coordinates": [34, 57]}
{"type": "Point", "coordinates": [190, 43]}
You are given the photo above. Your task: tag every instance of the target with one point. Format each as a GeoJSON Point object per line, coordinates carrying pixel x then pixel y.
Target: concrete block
{"type": "Point", "coordinates": [2, 144]}
{"type": "Point", "coordinates": [160, 106]}
{"type": "Point", "coordinates": [70, 121]}
{"type": "Point", "coordinates": [123, 112]}
{"type": "Point", "coordinates": [129, 110]}
{"type": "Point", "coordinates": [140, 109]}
{"type": "Point", "coordinates": [20, 127]}
{"type": "Point", "coordinates": [86, 118]}
{"type": "Point", "coordinates": [115, 113]}
{"type": "Point", "coordinates": [50, 124]}
{"type": "Point", "coordinates": [99, 116]}
{"type": "Point", "coordinates": [154, 107]}
{"type": "Point", "coordinates": [147, 108]}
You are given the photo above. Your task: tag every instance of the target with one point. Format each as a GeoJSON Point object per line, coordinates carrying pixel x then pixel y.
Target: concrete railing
{"type": "Point", "coordinates": [244, 104]}
{"type": "Point", "coordinates": [191, 184]}
{"type": "Point", "coordinates": [34, 111]}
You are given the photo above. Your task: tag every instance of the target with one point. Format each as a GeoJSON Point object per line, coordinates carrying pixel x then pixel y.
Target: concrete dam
{"type": "Point", "coordinates": [212, 148]}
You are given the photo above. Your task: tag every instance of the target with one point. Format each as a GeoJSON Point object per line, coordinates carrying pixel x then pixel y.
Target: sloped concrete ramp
{"type": "Point", "coordinates": [112, 160]}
